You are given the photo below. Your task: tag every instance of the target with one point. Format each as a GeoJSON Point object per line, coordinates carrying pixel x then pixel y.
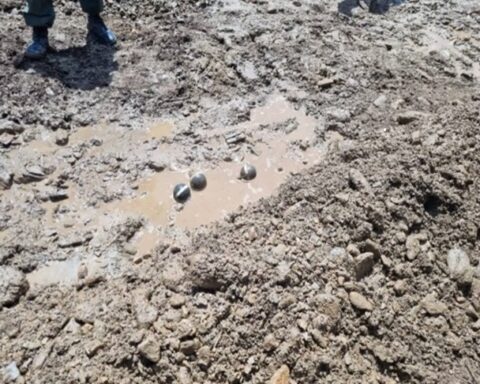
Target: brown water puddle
{"type": "Point", "coordinates": [278, 154]}
{"type": "Point", "coordinates": [225, 193]}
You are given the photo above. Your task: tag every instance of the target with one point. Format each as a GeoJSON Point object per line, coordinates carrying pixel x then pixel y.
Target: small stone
{"type": "Point", "coordinates": [181, 193]}
{"type": "Point", "coordinates": [281, 376]}
{"type": "Point", "coordinates": [198, 182]}
{"type": "Point", "coordinates": [360, 302]}
{"type": "Point", "coordinates": [186, 330]}
{"type": "Point", "coordinates": [358, 181]}
{"type": "Point", "coordinates": [93, 347]}
{"type": "Point", "coordinates": [434, 307]}
{"type": "Point", "coordinates": [189, 347]}
{"type": "Point", "coordinates": [380, 101]}
{"type": "Point", "coordinates": [177, 300]}
{"type": "Point", "coordinates": [416, 137]}
{"type": "Point", "coordinates": [400, 287]}
{"type": "Point", "coordinates": [248, 172]}
{"type": "Point", "coordinates": [416, 243]}
{"type": "Point", "coordinates": [82, 271]}
{"type": "Point", "coordinates": [364, 265]}
{"type": "Point", "coordinates": [408, 117]}
{"type": "Point", "coordinates": [353, 250]}
{"type": "Point", "coordinates": [458, 262]}
{"type": "Point", "coordinates": [146, 314]}
{"type": "Point", "coordinates": [61, 138]}
{"type": "Point", "coordinates": [10, 373]}
{"type": "Point", "coordinates": [183, 377]}
{"type": "Point", "coordinates": [150, 349]}
{"type": "Point", "coordinates": [247, 71]}
{"type": "Point", "coordinates": [6, 178]}
{"type": "Point", "coordinates": [270, 343]}
{"type": "Point", "coordinates": [13, 285]}
{"type": "Point", "coordinates": [339, 115]}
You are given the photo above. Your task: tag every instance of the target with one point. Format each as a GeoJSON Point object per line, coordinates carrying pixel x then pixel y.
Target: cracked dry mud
{"type": "Point", "coordinates": [354, 254]}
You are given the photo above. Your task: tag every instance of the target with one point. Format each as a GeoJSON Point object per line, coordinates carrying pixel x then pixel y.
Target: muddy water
{"type": "Point", "coordinates": [288, 145]}
{"type": "Point", "coordinates": [225, 192]}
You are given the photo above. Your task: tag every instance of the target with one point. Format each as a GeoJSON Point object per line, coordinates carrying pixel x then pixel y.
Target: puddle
{"type": "Point", "coordinates": [284, 142]}
{"type": "Point", "coordinates": [225, 193]}
{"type": "Point", "coordinates": [161, 129]}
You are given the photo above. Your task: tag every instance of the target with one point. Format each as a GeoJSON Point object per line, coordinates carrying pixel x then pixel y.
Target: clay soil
{"type": "Point", "coordinates": [353, 257]}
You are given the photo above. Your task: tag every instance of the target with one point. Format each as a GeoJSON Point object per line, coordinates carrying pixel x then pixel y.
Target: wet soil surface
{"type": "Point", "coordinates": [354, 254]}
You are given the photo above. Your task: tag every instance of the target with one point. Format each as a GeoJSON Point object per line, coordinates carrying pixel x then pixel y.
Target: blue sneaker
{"type": "Point", "coordinates": [99, 31]}
{"type": "Point", "coordinates": [38, 48]}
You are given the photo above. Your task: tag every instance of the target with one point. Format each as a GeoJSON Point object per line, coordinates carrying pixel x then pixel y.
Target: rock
{"type": "Point", "coordinates": [156, 165]}
{"type": "Point", "coordinates": [177, 300]}
{"type": "Point", "coordinates": [380, 101]}
{"type": "Point", "coordinates": [189, 347]}
{"type": "Point", "coordinates": [6, 178]}
{"type": "Point", "coordinates": [150, 349]}
{"type": "Point", "coordinates": [416, 243]}
{"type": "Point", "coordinates": [408, 117]}
{"type": "Point", "coordinates": [183, 377]}
{"type": "Point", "coordinates": [360, 302]}
{"type": "Point", "coordinates": [328, 306]}
{"type": "Point", "coordinates": [400, 287]}
{"type": "Point", "coordinates": [172, 275]}
{"type": "Point", "coordinates": [339, 115]}
{"type": "Point", "coordinates": [10, 373]}
{"type": "Point", "coordinates": [458, 263]}
{"type": "Point", "coordinates": [185, 329]}
{"type": "Point", "coordinates": [7, 126]}
{"type": "Point", "coordinates": [364, 265]}
{"type": "Point", "coordinates": [13, 285]}
{"type": "Point", "coordinates": [146, 314]}
{"type": "Point", "coordinates": [281, 376]}
{"type": "Point", "coordinates": [434, 307]}
{"type": "Point", "coordinates": [93, 347]}
{"type": "Point", "coordinates": [202, 274]}
{"type": "Point", "coordinates": [270, 343]}
{"type": "Point", "coordinates": [61, 138]}
{"type": "Point", "coordinates": [42, 356]}
{"type": "Point", "coordinates": [247, 71]}
{"type": "Point", "coordinates": [358, 181]}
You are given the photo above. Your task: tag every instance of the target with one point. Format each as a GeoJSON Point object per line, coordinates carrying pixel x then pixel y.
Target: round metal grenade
{"type": "Point", "coordinates": [181, 193]}
{"type": "Point", "coordinates": [248, 172]}
{"type": "Point", "coordinates": [198, 182]}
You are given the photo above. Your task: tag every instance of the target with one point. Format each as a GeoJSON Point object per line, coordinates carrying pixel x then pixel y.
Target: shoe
{"type": "Point", "coordinates": [99, 31]}
{"type": "Point", "coordinates": [38, 48]}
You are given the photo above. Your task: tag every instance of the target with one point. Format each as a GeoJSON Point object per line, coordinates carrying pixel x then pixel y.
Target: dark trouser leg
{"type": "Point", "coordinates": [92, 7]}
{"type": "Point", "coordinates": [39, 13]}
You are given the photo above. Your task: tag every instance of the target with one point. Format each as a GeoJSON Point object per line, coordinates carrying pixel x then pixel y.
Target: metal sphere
{"type": "Point", "coordinates": [181, 193]}
{"type": "Point", "coordinates": [198, 182]}
{"type": "Point", "coordinates": [248, 172]}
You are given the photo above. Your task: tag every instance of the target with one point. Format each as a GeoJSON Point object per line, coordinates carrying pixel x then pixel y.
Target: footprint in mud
{"type": "Point", "coordinates": [379, 7]}
{"type": "Point", "coordinates": [84, 68]}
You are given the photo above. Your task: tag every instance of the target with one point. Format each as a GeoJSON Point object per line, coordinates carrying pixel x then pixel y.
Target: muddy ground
{"type": "Point", "coordinates": [352, 257]}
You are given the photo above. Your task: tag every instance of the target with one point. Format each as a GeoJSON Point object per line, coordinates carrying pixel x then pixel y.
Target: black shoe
{"type": "Point", "coordinates": [38, 48]}
{"type": "Point", "coordinates": [99, 31]}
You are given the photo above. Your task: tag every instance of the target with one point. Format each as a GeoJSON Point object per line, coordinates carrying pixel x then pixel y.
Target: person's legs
{"type": "Point", "coordinates": [40, 15]}
{"type": "Point", "coordinates": [92, 7]}
{"type": "Point", "coordinates": [96, 27]}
